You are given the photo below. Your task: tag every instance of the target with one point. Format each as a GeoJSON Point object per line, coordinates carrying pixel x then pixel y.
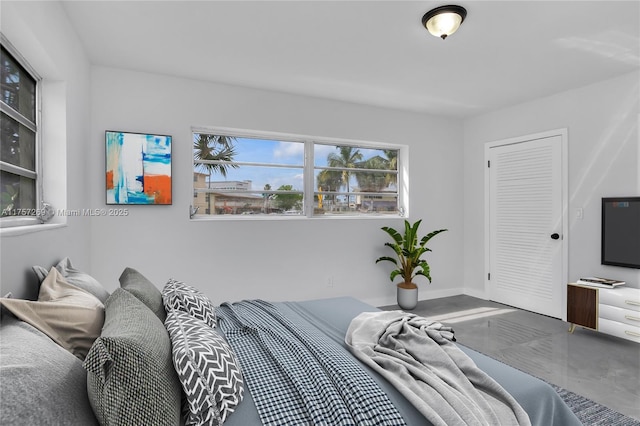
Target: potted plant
{"type": "Point", "coordinates": [409, 251]}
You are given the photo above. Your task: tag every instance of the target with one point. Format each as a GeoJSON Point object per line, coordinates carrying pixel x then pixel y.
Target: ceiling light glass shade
{"type": "Point", "coordinates": [444, 20]}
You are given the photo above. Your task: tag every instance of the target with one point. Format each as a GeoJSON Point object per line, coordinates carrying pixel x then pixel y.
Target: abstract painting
{"type": "Point", "coordinates": [138, 168]}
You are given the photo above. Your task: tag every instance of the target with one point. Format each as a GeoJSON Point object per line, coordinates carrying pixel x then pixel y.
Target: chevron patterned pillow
{"type": "Point", "coordinates": [207, 368]}
{"type": "Point", "coordinates": [183, 297]}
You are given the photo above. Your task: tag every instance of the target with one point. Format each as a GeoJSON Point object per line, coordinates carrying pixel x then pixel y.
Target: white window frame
{"type": "Point", "coordinates": [26, 220]}
{"type": "Point", "coordinates": [309, 173]}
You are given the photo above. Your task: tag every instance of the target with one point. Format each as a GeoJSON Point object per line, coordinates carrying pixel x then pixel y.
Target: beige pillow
{"type": "Point", "coordinates": [75, 277]}
{"type": "Point", "coordinates": [72, 317]}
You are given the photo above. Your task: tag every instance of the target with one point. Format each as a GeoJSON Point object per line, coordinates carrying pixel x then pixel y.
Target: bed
{"type": "Point", "coordinates": [42, 381]}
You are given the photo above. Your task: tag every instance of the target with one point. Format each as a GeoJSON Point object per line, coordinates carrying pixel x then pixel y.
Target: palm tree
{"type": "Point", "coordinates": [392, 164]}
{"type": "Point", "coordinates": [329, 180]}
{"type": "Point", "coordinates": [267, 198]}
{"type": "Point", "coordinates": [214, 148]}
{"type": "Point", "coordinates": [347, 158]}
{"type": "Point", "coordinates": [372, 181]}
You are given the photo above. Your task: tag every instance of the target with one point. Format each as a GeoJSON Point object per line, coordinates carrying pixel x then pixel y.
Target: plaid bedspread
{"type": "Point", "coordinates": [300, 377]}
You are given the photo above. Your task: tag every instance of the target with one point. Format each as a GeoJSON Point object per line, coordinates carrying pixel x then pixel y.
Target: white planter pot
{"type": "Point", "coordinates": [407, 297]}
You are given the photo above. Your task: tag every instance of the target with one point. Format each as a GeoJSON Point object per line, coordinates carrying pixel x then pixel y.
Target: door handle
{"type": "Point", "coordinates": [555, 236]}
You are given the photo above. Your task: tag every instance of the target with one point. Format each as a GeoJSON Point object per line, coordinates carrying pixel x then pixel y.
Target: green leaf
{"type": "Point", "coordinates": [397, 237]}
{"type": "Point", "coordinates": [408, 251]}
{"type": "Point", "coordinates": [387, 258]}
{"type": "Point", "coordinates": [430, 235]}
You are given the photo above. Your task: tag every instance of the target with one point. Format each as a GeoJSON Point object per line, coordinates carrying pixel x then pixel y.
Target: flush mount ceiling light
{"type": "Point", "coordinates": [444, 20]}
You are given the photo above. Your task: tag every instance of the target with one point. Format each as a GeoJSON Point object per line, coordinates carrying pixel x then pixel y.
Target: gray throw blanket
{"type": "Point", "coordinates": [418, 357]}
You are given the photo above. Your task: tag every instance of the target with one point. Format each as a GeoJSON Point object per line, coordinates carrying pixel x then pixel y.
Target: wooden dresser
{"type": "Point", "coordinates": [614, 311]}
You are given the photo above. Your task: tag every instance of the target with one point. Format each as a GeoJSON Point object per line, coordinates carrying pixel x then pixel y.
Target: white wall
{"type": "Point", "coordinates": [41, 32]}
{"type": "Point", "coordinates": [277, 259]}
{"type": "Point", "coordinates": [294, 259]}
{"type": "Point", "coordinates": [602, 122]}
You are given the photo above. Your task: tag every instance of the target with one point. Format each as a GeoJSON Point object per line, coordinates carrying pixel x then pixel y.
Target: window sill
{"type": "Point", "coordinates": [224, 217]}
{"type": "Point", "coordinates": [22, 230]}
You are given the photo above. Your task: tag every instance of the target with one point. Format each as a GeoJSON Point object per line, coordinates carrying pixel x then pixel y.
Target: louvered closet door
{"type": "Point", "coordinates": [526, 225]}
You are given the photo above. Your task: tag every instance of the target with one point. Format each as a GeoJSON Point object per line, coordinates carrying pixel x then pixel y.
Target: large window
{"type": "Point", "coordinates": [237, 173]}
{"type": "Point", "coordinates": [19, 148]}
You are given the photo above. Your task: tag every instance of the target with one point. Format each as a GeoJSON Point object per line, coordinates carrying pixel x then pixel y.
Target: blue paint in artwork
{"type": "Point", "coordinates": [135, 197]}
{"type": "Point", "coordinates": [158, 149]}
{"type": "Point", "coordinates": [156, 155]}
{"type": "Point", "coordinates": [158, 143]}
{"type": "Point", "coordinates": [121, 190]}
{"type": "Point", "coordinates": [157, 158]}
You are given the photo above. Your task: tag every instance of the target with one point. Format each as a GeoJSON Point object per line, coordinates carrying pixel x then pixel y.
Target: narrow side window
{"type": "Point", "coordinates": [19, 157]}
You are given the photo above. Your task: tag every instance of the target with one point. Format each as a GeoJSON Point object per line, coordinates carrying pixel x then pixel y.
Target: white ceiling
{"type": "Point", "coordinates": [370, 52]}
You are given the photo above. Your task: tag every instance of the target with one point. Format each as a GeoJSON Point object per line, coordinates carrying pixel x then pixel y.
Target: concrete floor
{"type": "Point", "coordinates": [603, 368]}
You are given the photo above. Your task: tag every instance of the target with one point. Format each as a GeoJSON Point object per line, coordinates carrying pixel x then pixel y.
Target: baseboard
{"type": "Point", "coordinates": [480, 294]}
{"type": "Point", "coordinates": [424, 293]}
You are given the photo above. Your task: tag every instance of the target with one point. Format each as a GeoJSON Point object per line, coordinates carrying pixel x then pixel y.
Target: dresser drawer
{"type": "Point", "coordinates": [625, 316]}
{"type": "Point", "coordinates": [627, 298]}
{"type": "Point", "coordinates": [619, 329]}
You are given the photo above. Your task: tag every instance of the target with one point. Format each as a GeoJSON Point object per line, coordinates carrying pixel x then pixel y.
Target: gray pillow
{"type": "Point", "coordinates": [42, 383]}
{"type": "Point", "coordinates": [138, 285]}
{"type": "Point", "coordinates": [75, 277]}
{"type": "Point", "coordinates": [183, 297]}
{"type": "Point", "coordinates": [131, 379]}
{"type": "Point", "coordinates": [207, 367]}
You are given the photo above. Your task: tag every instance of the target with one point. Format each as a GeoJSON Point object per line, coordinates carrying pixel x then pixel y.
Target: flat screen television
{"type": "Point", "coordinates": [621, 232]}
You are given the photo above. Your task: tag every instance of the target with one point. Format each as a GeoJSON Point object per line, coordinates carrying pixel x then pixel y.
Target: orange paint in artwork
{"type": "Point", "coordinates": [158, 186]}
{"type": "Point", "coordinates": [109, 179]}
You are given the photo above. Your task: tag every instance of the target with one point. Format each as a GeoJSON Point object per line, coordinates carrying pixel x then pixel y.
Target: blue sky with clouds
{"type": "Point", "coordinates": [277, 152]}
